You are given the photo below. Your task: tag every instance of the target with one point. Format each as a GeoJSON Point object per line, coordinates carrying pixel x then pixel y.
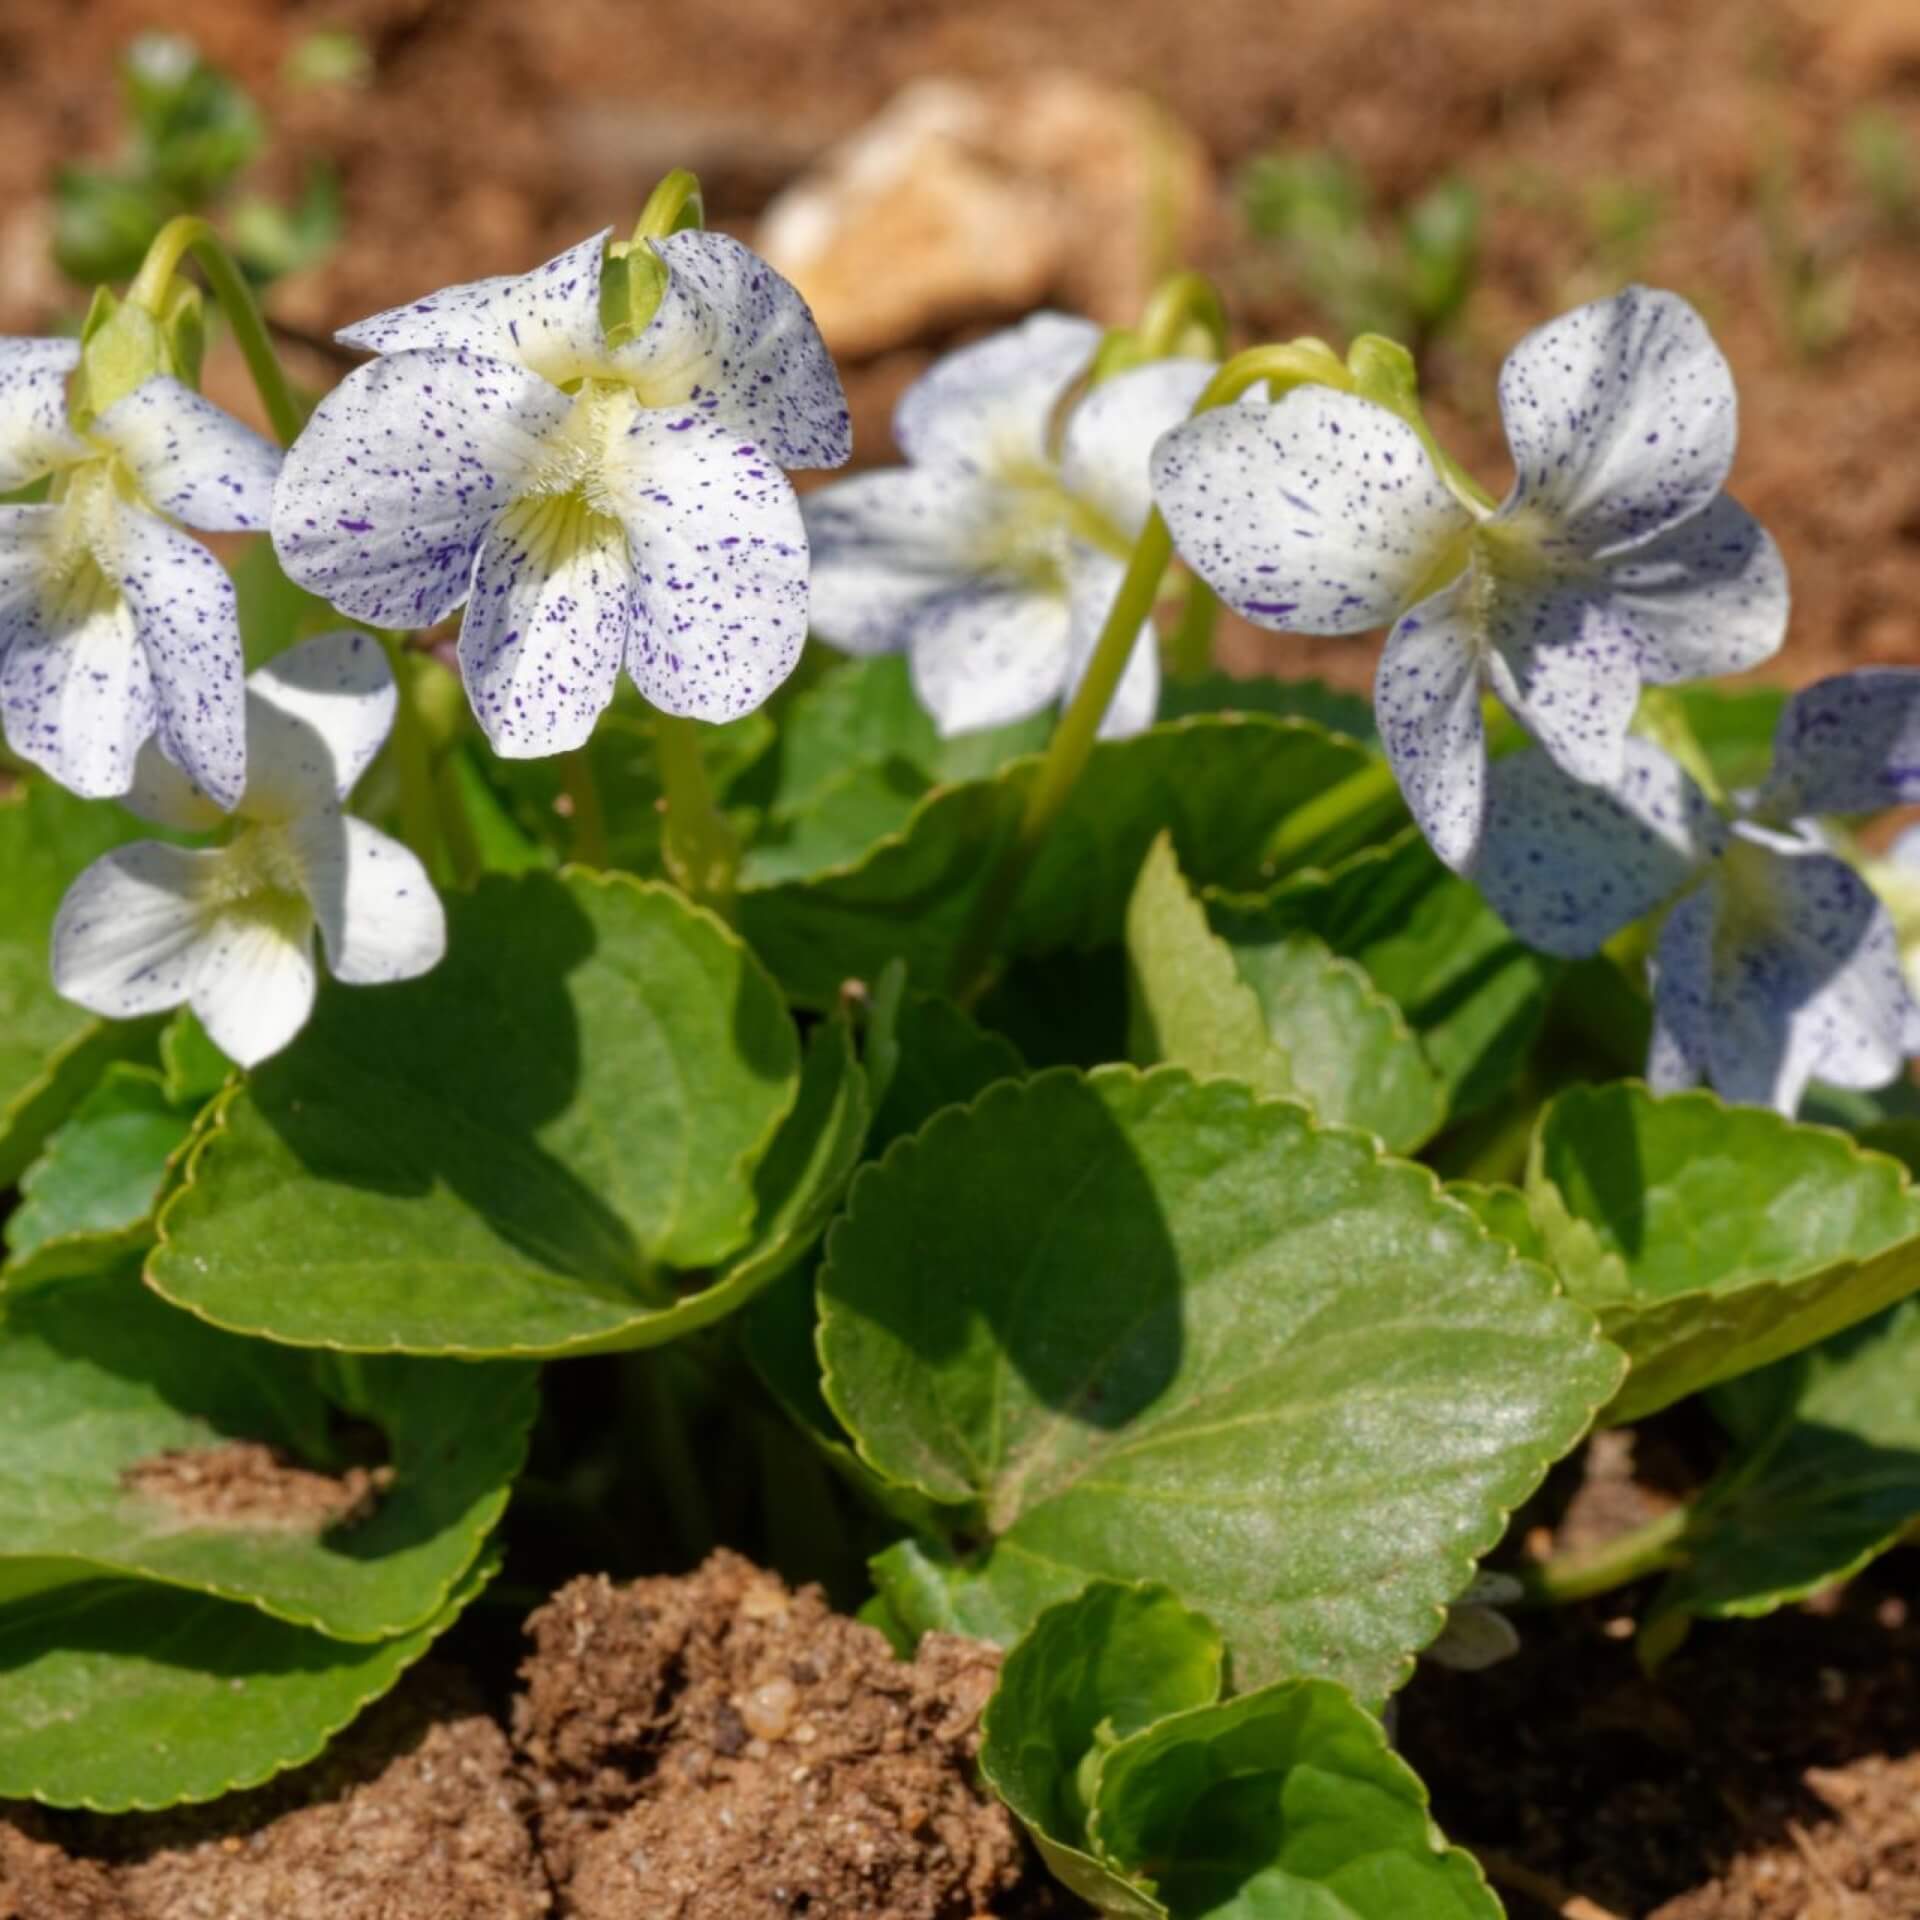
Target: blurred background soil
{"type": "Point", "coordinates": [1757, 155]}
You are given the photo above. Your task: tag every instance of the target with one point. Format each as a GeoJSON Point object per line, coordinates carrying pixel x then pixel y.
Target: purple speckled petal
{"type": "Point", "coordinates": [192, 460]}
{"type": "Point", "coordinates": [1567, 865]}
{"type": "Point", "coordinates": [720, 558]}
{"type": "Point", "coordinates": [1706, 597]}
{"type": "Point", "coordinates": [1621, 418]}
{"type": "Point", "coordinates": [187, 622]}
{"type": "Point", "coordinates": [1321, 514]}
{"type": "Point", "coordinates": [253, 987]}
{"type": "Point", "coordinates": [386, 496]}
{"type": "Point", "coordinates": [1093, 579]}
{"type": "Point", "coordinates": [987, 655]}
{"type": "Point", "coordinates": [988, 407]}
{"type": "Point", "coordinates": [166, 796]}
{"type": "Point", "coordinates": [547, 320]}
{"type": "Point", "coordinates": [34, 433]}
{"type": "Point", "coordinates": [1847, 744]}
{"type": "Point", "coordinates": [734, 340]}
{"type": "Point", "coordinates": [546, 629]}
{"type": "Point", "coordinates": [1679, 1054]}
{"type": "Point", "coordinates": [886, 543]}
{"type": "Point", "coordinates": [1811, 989]}
{"type": "Point", "coordinates": [76, 690]}
{"type": "Point", "coordinates": [127, 939]}
{"type": "Point", "coordinates": [379, 916]}
{"type": "Point", "coordinates": [316, 717]}
{"type": "Point", "coordinates": [1561, 664]}
{"type": "Point", "coordinates": [1426, 699]}
{"type": "Point", "coordinates": [1106, 453]}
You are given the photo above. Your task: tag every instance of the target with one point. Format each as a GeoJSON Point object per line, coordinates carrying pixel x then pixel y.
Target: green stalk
{"type": "Point", "coordinates": [701, 849]}
{"type": "Point", "coordinates": [1182, 301]}
{"type": "Point", "coordinates": [189, 234]}
{"type": "Point", "coordinates": [1190, 650]}
{"type": "Point", "coordinates": [674, 206]}
{"type": "Point", "coordinates": [413, 760]}
{"type": "Point", "coordinates": [1647, 1550]}
{"type": "Point", "coordinates": [588, 817]}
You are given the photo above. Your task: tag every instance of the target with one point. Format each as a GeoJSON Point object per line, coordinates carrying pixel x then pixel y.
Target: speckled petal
{"type": "Point", "coordinates": [886, 543]}
{"type": "Point", "coordinates": [1621, 416]}
{"type": "Point", "coordinates": [1093, 579]}
{"type": "Point", "coordinates": [378, 914]}
{"type": "Point", "coordinates": [1562, 665]}
{"type": "Point", "coordinates": [34, 432]}
{"type": "Point", "coordinates": [1106, 453]}
{"type": "Point", "coordinates": [1812, 991]}
{"type": "Point", "coordinates": [1321, 514]}
{"type": "Point", "coordinates": [1678, 1054]}
{"type": "Point", "coordinates": [253, 987]}
{"type": "Point", "coordinates": [720, 556]}
{"type": "Point", "coordinates": [317, 715]}
{"type": "Point", "coordinates": [1426, 698]}
{"type": "Point", "coordinates": [76, 690]}
{"type": "Point", "coordinates": [1706, 597]}
{"type": "Point", "coordinates": [127, 938]}
{"type": "Point", "coordinates": [546, 629]}
{"type": "Point", "coordinates": [547, 320]}
{"type": "Point", "coordinates": [1567, 865]}
{"type": "Point", "coordinates": [187, 620]}
{"type": "Point", "coordinates": [983, 656]}
{"type": "Point", "coordinates": [988, 407]}
{"type": "Point", "coordinates": [193, 461]}
{"type": "Point", "coordinates": [166, 796]}
{"type": "Point", "coordinates": [1847, 744]}
{"type": "Point", "coordinates": [385, 497]}
{"type": "Point", "coordinates": [736, 341]}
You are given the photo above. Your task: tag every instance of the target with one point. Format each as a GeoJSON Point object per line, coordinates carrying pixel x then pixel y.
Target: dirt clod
{"type": "Point", "coordinates": [720, 1746]}
{"type": "Point", "coordinates": [242, 1483]}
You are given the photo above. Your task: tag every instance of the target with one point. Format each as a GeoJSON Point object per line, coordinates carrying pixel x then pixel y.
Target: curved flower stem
{"type": "Point", "coordinates": [675, 205]}
{"type": "Point", "coordinates": [1073, 740]}
{"type": "Point", "coordinates": [1647, 1550]}
{"type": "Point", "coordinates": [1181, 301]}
{"type": "Point", "coordinates": [1355, 802]}
{"type": "Point", "coordinates": [189, 234]}
{"type": "Point", "coordinates": [1190, 650]}
{"type": "Point", "coordinates": [587, 817]}
{"type": "Point", "coordinates": [701, 849]}
{"type": "Point", "coordinates": [413, 760]}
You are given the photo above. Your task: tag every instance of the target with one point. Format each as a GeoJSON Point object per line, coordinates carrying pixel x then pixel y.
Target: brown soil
{"type": "Point", "coordinates": [242, 1483]}
{"type": "Point", "coordinates": [713, 1748]}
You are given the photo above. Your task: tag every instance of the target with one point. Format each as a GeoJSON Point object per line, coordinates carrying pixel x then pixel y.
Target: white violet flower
{"type": "Point", "coordinates": [591, 503]}
{"type": "Point", "coordinates": [990, 559]}
{"type": "Point", "coordinates": [229, 930]}
{"type": "Point", "coordinates": [1776, 963]}
{"type": "Point", "coordinates": [116, 627]}
{"type": "Point", "coordinates": [1616, 560]}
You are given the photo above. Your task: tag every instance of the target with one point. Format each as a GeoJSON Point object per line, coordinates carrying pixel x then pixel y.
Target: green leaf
{"type": "Point", "coordinates": [1712, 1239]}
{"type": "Point", "coordinates": [1103, 1665]}
{"type": "Point", "coordinates": [1472, 993]}
{"type": "Point", "coordinates": [194, 1069]}
{"type": "Point", "coordinates": [1139, 1323]}
{"type": "Point", "coordinates": [1284, 1802]}
{"type": "Point", "coordinates": [1735, 727]}
{"type": "Point", "coordinates": [50, 1050]}
{"type": "Point", "coordinates": [1502, 1210]}
{"type": "Point", "coordinates": [125, 1696]}
{"type": "Point", "coordinates": [1816, 1495]}
{"type": "Point", "coordinates": [112, 1405]}
{"type": "Point", "coordinates": [936, 1056]}
{"type": "Point", "coordinates": [506, 1155]}
{"type": "Point", "coordinates": [1338, 712]}
{"type": "Point", "coordinates": [92, 1191]}
{"type": "Point", "coordinates": [1222, 785]}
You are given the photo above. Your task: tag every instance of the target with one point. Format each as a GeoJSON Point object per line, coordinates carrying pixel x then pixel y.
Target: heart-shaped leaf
{"type": "Point", "coordinates": [511, 1154]}
{"type": "Point", "coordinates": [1712, 1239]}
{"type": "Point", "coordinates": [136, 1440]}
{"type": "Point", "coordinates": [122, 1695]}
{"type": "Point", "coordinates": [1137, 1324]}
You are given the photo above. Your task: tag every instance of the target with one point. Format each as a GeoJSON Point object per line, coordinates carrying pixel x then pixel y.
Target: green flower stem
{"type": "Point", "coordinates": [674, 206]}
{"type": "Point", "coordinates": [1647, 1550]}
{"type": "Point", "coordinates": [588, 817]}
{"type": "Point", "coordinates": [1335, 821]}
{"type": "Point", "coordinates": [189, 234]}
{"type": "Point", "coordinates": [464, 855]}
{"type": "Point", "coordinates": [413, 760]}
{"type": "Point", "coordinates": [1183, 301]}
{"type": "Point", "coordinates": [701, 848]}
{"type": "Point", "coordinates": [1190, 651]}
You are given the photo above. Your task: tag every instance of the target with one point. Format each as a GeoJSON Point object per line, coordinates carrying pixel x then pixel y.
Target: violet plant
{"type": "Point", "coordinates": [1174, 1161]}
